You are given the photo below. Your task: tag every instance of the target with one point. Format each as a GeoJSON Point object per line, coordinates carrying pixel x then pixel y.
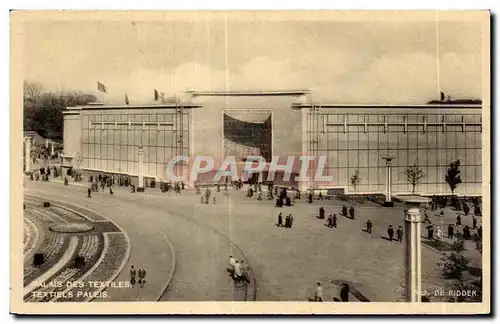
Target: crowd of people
{"type": "Point", "coordinates": [239, 271]}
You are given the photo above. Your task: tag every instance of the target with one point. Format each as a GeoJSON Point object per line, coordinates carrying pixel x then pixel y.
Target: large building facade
{"type": "Point", "coordinates": [353, 138]}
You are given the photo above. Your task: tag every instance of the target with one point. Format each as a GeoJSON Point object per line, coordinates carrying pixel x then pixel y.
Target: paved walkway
{"type": "Point", "coordinates": [201, 254]}
{"type": "Point", "coordinates": [286, 262]}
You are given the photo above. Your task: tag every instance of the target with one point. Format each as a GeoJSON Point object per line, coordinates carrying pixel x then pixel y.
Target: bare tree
{"type": "Point", "coordinates": [32, 91]}
{"type": "Point", "coordinates": [414, 175]}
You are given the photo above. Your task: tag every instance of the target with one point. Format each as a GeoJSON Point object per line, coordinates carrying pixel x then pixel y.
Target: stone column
{"type": "Point", "coordinates": [27, 152]}
{"type": "Point", "coordinates": [413, 252]}
{"type": "Point", "coordinates": [141, 168]}
{"type": "Point", "coordinates": [52, 149]}
{"type": "Point", "coordinates": [388, 182]}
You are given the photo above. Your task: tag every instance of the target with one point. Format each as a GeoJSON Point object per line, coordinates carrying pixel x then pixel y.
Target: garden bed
{"type": "Point", "coordinates": [66, 214]}
{"type": "Point", "coordinates": [53, 248]}
{"type": "Point", "coordinates": [90, 247]}
{"type": "Point", "coordinates": [112, 260]}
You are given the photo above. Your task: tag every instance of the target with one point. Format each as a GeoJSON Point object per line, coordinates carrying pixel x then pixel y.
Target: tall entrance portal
{"type": "Point", "coordinates": [247, 133]}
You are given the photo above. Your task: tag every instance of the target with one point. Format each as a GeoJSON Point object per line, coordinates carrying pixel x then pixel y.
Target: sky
{"type": "Point", "coordinates": [339, 61]}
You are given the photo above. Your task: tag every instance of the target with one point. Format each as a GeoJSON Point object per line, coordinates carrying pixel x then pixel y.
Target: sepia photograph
{"type": "Point", "coordinates": [220, 162]}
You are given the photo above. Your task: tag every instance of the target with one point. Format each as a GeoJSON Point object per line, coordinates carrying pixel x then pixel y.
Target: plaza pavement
{"type": "Point", "coordinates": [287, 262]}
{"type": "Point", "coordinates": [200, 254]}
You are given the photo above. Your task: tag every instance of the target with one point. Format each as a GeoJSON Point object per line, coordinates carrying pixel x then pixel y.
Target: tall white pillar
{"type": "Point", "coordinates": [46, 143]}
{"type": "Point", "coordinates": [413, 253]}
{"type": "Point", "coordinates": [388, 185]}
{"type": "Point", "coordinates": [52, 149]}
{"type": "Point", "coordinates": [141, 168]}
{"type": "Point", "coordinates": [388, 181]}
{"type": "Point", "coordinates": [27, 152]}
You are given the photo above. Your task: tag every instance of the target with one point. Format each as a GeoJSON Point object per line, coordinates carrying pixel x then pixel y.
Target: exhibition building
{"type": "Point", "coordinates": [362, 139]}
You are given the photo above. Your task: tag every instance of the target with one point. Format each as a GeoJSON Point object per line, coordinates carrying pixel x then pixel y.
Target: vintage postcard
{"type": "Point", "coordinates": [250, 162]}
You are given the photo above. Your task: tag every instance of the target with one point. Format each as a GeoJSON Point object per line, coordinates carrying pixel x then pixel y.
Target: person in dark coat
{"type": "Point", "coordinates": [344, 211]}
{"type": "Point", "coordinates": [399, 234]}
{"type": "Point", "coordinates": [390, 232]}
{"type": "Point", "coordinates": [474, 222]}
{"type": "Point", "coordinates": [466, 232]}
{"type": "Point", "coordinates": [280, 220]}
{"type": "Point", "coordinates": [334, 220]}
{"type": "Point", "coordinates": [321, 213]}
{"type": "Point", "coordinates": [290, 221]}
{"type": "Point", "coordinates": [344, 293]}
{"type": "Point", "coordinates": [351, 212]}
{"type": "Point", "coordinates": [329, 221]}
{"type": "Point", "coordinates": [369, 226]}
{"type": "Point", "coordinates": [430, 232]}
{"type": "Point", "coordinates": [480, 232]}
{"type": "Point", "coordinates": [89, 193]}
{"type": "Point", "coordinates": [459, 220]}
{"type": "Point", "coordinates": [287, 221]}
{"type": "Point", "coordinates": [450, 231]}
{"type": "Point", "coordinates": [466, 209]}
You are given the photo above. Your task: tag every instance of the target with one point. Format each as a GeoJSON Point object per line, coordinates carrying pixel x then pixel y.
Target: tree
{"type": "Point", "coordinates": [355, 180]}
{"type": "Point", "coordinates": [453, 176]}
{"type": "Point", "coordinates": [414, 175]}
{"type": "Point", "coordinates": [43, 110]}
{"type": "Point", "coordinates": [454, 266]}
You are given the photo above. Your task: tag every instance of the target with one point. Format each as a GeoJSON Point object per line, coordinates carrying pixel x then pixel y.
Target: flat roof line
{"type": "Point", "coordinates": [435, 106]}
{"type": "Point", "coordinates": [248, 93]}
{"type": "Point", "coordinates": [144, 106]}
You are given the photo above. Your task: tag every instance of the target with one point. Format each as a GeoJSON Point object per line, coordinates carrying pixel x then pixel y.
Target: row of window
{"type": "Point", "coordinates": [321, 141]}
{"type": "Point", "coordinates": [396, 118]}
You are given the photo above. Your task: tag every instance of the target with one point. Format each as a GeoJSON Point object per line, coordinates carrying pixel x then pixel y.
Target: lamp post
{"type": "Point", "coordinates": [388, 166]}
{"type": "Point", "coordinates": [140, 185]}
{"type": "Point", "coordinates": [413, 284]}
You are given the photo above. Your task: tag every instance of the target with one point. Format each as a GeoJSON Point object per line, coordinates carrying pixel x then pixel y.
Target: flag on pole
{"type": "Point", "coordinates": [156, 94]}
{"type": "Point", "coordinates": [126, 99]}
{"type": "Point", "coordinates": [101, 87]}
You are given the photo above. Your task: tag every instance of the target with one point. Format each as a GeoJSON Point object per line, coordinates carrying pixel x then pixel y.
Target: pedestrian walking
{"type": "Point", "coordinates": [291, 221]}
{"type": "Point", "coordinates": [334, 220]}
{"type": "Point", "coordinates": [110, 191]}
{"type": "Point", "coordinates": [399, 233]}
{"type": "Point", "coordinates": [450, 231]}
{"type": "Point", "coordinates": [351, 212]}
{"type": "Point", "coordinates": [142, 276]}
{"type": "Point", "coordinates": [232, 263]}
{"type": "Point", "coordinates": [318, 295]}
{"type": "Point", "coordinates": [344, 211]}
{"type": "Point", "coordinates": [238, 274]}
{"type": "Point", "coordinates": [439, 233]}
{"type": "Point", "coordinates": [329, 221]}
{"type": "Point", "coordinates": [459, 220]}
{"type": "Point", "coordinates": [344, 293]}
{"type": "Point", "coordinates": [466, 208]}
{"type": "Point", "coordinates": [430, 233]}
{"type": "Point", "coordinates": [280, 220]}
{"type": "Point", "coordinates": [390, 232]}
{"type": "Point", "coordinates": [474, 222]}
{"type": "Point", "coordinates": [245, 270]}
{"type": "Point", "coordinates": [132, 275]}
{"type": "Point", "coordinates": [89, 193]}
{"type": "Point", "coordinates": [369, 226]}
